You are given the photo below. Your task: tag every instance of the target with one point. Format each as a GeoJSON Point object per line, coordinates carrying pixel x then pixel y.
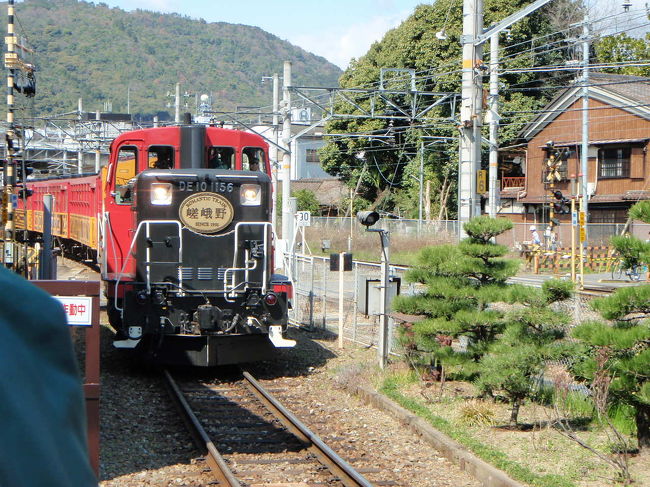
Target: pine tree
{"type": "Point", "coordinates": [505, 352]}
{"type": "Point", "coordinates": [622, 350]}
{"type": "Point", "coordinates": [461, 280]}
{"type": "Point", "coordinates": [514, 363]}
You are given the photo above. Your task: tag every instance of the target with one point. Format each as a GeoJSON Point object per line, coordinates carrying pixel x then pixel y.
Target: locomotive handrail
{"type": "Point", "coordinates": [130, 251]}
{"type": "Point", "coordinates": [231, 289]}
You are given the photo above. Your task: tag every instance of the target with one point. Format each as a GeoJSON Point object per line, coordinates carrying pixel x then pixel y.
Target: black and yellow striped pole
{"type": "Point", "coordinates": [11, 63]}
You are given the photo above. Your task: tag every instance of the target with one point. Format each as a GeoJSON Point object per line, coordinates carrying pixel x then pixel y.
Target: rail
{"type": "Point", "coordinates": [348, 475]}
{"type": "Point", "coordinates": [215, 460]}
{"type": "Point", "coordinates": [320, 453]}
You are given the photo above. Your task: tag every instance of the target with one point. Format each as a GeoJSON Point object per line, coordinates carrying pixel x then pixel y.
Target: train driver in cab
{"type": "Point", "coordinates": [254, 164]}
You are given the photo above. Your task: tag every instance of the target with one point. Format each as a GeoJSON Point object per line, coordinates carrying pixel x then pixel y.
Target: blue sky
{"type": "Point", "coordinates": [338, 30]}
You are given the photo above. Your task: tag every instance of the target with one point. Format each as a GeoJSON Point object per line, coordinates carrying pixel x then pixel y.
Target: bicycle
{"type": "Point", "coordinates": [633, 272]}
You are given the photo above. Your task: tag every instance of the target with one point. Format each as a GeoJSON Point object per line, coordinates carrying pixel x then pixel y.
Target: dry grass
{"type": "Point", "coordinates": [366, 246]}
{"type": "Point", "coordinates": [536, 444]}
{"type": "Point", "coordinates": [477, 412]}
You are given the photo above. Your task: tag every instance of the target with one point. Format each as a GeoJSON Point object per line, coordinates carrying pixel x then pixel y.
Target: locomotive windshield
{"type": "Point", "coordinates": [221, 158]}
{"type": "Point", "coordinates": [161, 157]}
{"type": "Point", "coordinates": [125, 171]}
{"type": "Point", "coordinates": [253, 159]}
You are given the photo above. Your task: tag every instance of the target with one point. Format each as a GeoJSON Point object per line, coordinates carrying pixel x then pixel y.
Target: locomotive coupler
{"type": "Point", "coordinates": [208, 317]}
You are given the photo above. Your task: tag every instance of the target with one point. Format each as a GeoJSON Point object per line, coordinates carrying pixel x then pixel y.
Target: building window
{"type": "Point", "coordinates": [614, 162]}
{"type": "Point", "coordinates": [312, 156]}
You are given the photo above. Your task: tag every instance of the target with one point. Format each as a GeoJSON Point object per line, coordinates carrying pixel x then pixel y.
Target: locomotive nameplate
{"type": "Point", "coordinates": [206, 212]}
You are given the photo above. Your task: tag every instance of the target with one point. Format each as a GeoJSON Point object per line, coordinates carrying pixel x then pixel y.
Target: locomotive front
{"type": "Point", "coordinates": [202, 291]}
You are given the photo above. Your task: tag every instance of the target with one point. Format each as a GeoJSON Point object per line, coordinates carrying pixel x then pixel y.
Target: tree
{"type": "Point", "coordinates": [513, 364]}
{"type": "Point", "coordinates": [502, 352]}
{"type": "Point", "coordinates": [623, 347]}
{"type": "Point", "coordinates": [461, 281]}
{"type": "Point", "coordinates": [306, 201]}
{"type": "Point", "coordinates": [391, 145]}
{"type": "Point", "coordinates": [623, 48]}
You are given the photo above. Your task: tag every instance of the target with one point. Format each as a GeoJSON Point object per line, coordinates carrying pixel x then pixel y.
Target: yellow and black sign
{"type": "Point", "coordinates": [206, 212]}
{"type": "Point", "coordinates": [481, 181]}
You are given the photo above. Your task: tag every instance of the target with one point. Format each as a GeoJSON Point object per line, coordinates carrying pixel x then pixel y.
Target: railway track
{"type": "Point", "coordinates": [250, 439]}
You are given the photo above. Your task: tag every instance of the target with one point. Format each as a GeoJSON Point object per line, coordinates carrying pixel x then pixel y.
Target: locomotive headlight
{"type": "Point", "coordinates": [250, 194]}
{"type": "Point", "coordinates": [161, 194]}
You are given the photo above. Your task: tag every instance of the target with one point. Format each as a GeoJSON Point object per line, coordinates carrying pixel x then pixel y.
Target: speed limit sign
{"type": "Point", "coordinates": [303, 218]}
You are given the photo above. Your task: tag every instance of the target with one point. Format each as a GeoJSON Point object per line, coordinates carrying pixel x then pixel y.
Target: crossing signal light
{"type": "Point", "coordinates": [22, 172]}
{"type": "Point", "coordinates": [368, 218]}
{"type": "Point", "coordinates": [561, 205]}
{"type": "Point", "coordinates": [25, 193]}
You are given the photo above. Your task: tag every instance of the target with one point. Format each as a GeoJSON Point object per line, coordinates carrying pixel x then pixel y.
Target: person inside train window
{"type": "Point", "coordinates": [253, 159]}
{"type": "Point", "coordinates": [221, 157]}
{"type": "Point", "coordinates": [161, 157]}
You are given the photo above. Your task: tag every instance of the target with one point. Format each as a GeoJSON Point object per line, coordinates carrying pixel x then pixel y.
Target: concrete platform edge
{"type": "Point", "coordinates": [485, 473]}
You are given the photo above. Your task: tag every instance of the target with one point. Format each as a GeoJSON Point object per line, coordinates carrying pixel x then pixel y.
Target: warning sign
{"type": "Point", "coordinates": [78, 309]}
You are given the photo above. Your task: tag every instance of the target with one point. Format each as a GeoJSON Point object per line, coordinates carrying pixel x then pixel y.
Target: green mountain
{"type": "Point", "coordinates": [103, 54]}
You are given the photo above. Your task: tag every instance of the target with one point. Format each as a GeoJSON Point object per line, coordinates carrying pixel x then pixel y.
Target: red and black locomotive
{"type": "Point", "coordinates": [180, 217]}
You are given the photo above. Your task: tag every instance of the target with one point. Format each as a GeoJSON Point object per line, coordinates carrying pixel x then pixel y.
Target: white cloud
{"type": "Point", "coordinates": [340, 45]}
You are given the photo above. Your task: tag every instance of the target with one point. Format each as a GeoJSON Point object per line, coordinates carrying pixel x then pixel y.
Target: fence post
{"type": "Point", "coordinates": [324, 301]}
{"type": "Point", "coordinates": [355, 304]}
{"type": "Point", "coordinates": [341, 289]}
{"type": "Point", "coordinates": [311, 294]}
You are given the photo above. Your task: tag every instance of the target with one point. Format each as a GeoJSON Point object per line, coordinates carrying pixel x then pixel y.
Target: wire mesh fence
{"type": "Point", "coordinates": [318, 303]}
{"type": "Point", "coordinates": [441, 230]}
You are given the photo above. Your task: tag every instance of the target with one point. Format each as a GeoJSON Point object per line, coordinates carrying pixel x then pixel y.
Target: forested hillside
{"type": "Point", "coordinates": [95, 52]}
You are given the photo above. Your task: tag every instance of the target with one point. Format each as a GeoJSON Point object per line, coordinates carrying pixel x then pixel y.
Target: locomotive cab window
{"type": "Point", "coordinates": [125, 171]}
{"type": "Point", "coordinates": [253, 159]}
{"type": "Point", "coordinates": [161, 157]}
{"type": "Point", "coordinates": [221, 158]}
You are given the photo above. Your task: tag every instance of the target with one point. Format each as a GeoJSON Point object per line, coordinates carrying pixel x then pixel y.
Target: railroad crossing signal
{"type": "Point", "coordinates": [554, 162]}
{"type": "Point", "coordinates": [561, 205]}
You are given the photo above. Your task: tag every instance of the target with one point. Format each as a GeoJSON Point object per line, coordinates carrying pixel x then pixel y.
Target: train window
{"type": "Point", "coordinates": [125, 172]}
{"type": "Point", "coordinates": [253, 159]}
{"type": "Point", "coordinates": [161, 157]}
{"type": "Point", "coordinates": [221, 158]}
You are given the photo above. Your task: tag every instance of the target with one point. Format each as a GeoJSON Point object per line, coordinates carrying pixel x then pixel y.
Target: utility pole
{"type": "Point", "coordinates": [421, 180]}
{"type": "Point", "coordinates": [494, 125]}
{"type": "Point", "coordinates": [274, 148]}
{"type": "Point", "coordinates": [11, 62]}
{"type": "Point", "coordinates": [470, 112]}
{"type": "Point", "coordinates": [287, 215]}
{"type": "Point", "coordinates": [471, 105]}
{"type": "Point", "coordinates": [384, 323]}
{"type": "Point", "coordinates": [584, 150]}
{"type": "Point", "coordinates": [177, 104]}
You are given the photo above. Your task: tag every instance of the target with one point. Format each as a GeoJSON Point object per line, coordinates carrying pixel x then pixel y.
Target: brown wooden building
{"type": "Point", "coordinates": [619, 163]}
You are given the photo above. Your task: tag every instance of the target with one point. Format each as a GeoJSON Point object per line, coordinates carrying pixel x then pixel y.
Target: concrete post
{"type": "Point", "coordinates": [274, 149]}
{"type": "Point", "coordinates": [287, 217]}
{"type": "Point", "coordinates": [493, 174]}
{"type": "Point", "coordinates": [470, 113]}
{"type": "Point", "coordinates": [584, 150]}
